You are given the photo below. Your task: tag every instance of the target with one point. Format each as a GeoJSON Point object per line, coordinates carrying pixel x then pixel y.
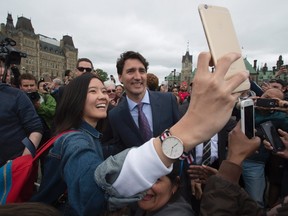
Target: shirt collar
{"type": "Point", "coordinates": [145, 99]}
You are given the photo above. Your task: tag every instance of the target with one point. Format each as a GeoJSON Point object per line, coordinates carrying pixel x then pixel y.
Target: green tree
{"type": "Point", "coordinates": [102, 74]}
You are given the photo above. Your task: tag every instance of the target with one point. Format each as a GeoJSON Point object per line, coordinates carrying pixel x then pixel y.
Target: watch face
{"type": "Point", "coordinates": [172, 147]}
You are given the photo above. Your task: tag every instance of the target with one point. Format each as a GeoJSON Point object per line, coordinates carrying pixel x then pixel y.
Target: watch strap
{"type": "Point", "coordinates": [164, 135]}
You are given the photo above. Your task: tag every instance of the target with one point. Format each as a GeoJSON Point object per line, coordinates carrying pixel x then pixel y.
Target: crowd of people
{"type": "Point", "coordinates": [144, 149]}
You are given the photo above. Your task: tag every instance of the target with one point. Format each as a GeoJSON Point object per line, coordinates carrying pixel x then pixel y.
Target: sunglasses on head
{"type": "Point", "coordinates": [109, 91]}
{"type": "Point", "coordinates": [81, 69]}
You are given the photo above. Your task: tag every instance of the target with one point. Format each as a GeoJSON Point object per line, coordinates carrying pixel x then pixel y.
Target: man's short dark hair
{"type": "Point", "coordinates": [130, 55]}
{"type": "Point", "coordinates": [84, 60]}
{"type": "Point", "coordinates": [27, 76]}
{"type": "Point", "coordinates": [280, 81]}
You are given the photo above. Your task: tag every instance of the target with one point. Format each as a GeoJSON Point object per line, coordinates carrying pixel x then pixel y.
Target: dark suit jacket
{"type": "Point", "coordinates": [122, 132]}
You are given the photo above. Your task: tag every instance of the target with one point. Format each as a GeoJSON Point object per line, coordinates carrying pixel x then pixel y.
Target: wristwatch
{"type": "Point", "coordinates": [172, 146]}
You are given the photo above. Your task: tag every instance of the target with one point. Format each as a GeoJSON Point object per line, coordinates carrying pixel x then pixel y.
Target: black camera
{"type": "Point", "coordinates": [10, 55]}
{"type": "Point", "coordinates": [34, 96]}
{"type": "Point", "coordinates": [46, 87]}
{"type": "Point", "coordinates": [266, 102]}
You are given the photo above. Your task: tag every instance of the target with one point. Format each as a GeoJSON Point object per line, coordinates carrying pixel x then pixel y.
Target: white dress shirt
{"type": "Point", "coordinates": [214, 150]}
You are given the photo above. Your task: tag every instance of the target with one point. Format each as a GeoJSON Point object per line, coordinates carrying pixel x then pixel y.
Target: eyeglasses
{"type": "Point", "coordinates": [81, 69]}
{"type": "Point", "coordinates": [109, 91]}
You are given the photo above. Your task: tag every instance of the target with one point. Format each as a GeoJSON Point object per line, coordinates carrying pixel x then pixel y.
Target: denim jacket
{"type": "Point", "coordinates": [69, 167]}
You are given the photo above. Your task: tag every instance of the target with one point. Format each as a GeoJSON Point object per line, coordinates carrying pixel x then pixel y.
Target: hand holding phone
{"type": "Point", "coordinates": [266, 102]}
{"type": "Point", "coordinates": [247, 117]}
{"type": "Point", "coordinates": [272, 136]}
{"type": "Point", "coordinates": [222, 39]}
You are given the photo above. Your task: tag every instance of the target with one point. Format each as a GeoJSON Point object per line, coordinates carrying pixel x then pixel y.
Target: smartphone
{"type": "Point", "coordinates": [271, 135]}
{"type": "Point", "coordinates": [222, 39]}
{"type": "Point", "coordinates": [266, 102]}
{"type": "Point", "coordinates": [247, 117]}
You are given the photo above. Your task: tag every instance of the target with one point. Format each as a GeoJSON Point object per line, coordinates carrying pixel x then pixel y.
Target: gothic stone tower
{"type": "Point", "coordinates": [186, 71]}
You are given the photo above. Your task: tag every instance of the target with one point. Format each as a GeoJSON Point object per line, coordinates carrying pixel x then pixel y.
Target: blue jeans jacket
{"type": "Point", "coordinates": [70, 167]}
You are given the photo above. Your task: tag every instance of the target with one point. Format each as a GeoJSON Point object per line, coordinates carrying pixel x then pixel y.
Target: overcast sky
{"type": "Point", "coordinates": [158, 29]}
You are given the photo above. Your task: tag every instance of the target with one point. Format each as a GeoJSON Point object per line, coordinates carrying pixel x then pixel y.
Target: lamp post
{"type": "Point", "coordinates": [174, 76]}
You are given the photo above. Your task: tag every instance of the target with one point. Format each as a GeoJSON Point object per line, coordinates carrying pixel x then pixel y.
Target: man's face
{"type": "Point", "coordinates": [28, 85]}
{"type": "Point", "coordinates": [134, 79]}
{"type": "Point", "coordinates": [183, 87]}
{"type": "Point", "coordinates": [82, 68]}
{"type": "Point", "coordinates": [277, 86]}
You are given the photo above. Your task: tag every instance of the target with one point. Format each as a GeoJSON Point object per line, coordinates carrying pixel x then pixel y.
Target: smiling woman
{"type": "Point", "coordinates": [164, 198]}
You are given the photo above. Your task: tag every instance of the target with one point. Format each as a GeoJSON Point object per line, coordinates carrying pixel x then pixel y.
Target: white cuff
{"type": "Point", "coordinates": [141, 169]}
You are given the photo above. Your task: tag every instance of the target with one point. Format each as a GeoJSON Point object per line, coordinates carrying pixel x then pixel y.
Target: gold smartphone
{"type": "Point", "coordinates": [222, 39]}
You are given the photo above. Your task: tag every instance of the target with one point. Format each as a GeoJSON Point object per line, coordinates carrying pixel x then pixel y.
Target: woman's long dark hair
{"type": "Point", "coordinates": [69, 111]}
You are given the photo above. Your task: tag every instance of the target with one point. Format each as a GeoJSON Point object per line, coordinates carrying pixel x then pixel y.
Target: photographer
{"type": "Point", "coordinates": [46, 106]}
{"type": "Point", "coordinates": [43, 102]}
{"type": "Point", "coordinates": [19, 120]}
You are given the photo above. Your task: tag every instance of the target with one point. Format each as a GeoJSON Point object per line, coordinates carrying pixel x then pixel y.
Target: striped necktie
{"type": "Point", "coordinates": [206, 156]}
{"type": "Point", "coordinates": [144, 126]}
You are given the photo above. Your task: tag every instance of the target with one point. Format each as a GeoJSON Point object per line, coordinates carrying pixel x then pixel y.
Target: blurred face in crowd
{"type": "Point", "coordinates": [119, 91]}
{"type": "Point", "coordinates": [183, 86]}
{"type": "Point", "coordinates": [134, 79]}
{"type": "Point", "coordinates": [28, 85]}
{"type": "Point", "coordinates": [83, 67]}
{"type": "Point", "coordinates": [277, 86]}
{"type": "Point", "coordinates": [42, 85]}
{"type": "Point", "coordinates": [111, 91]}
{"type": "Point", "coordinates": [158, 195]}
{"type": "Point", "coordinates": [175, 91]}
{"type": "Point", "coordinates": [96, 102]}
{"type": "Point", "coordinates": [164, 88]}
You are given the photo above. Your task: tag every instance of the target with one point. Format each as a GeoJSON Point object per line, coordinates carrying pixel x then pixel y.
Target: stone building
{"type": "Point", "coordinates": [186, 71]}
{"type": "Point", "coordinates": [45, 56]}
{"type": "Point", "coordinates": [175, 78]}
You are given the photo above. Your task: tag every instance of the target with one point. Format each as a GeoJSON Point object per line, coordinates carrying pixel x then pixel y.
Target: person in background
{"type": "Point", "coordinates": [164, 198]}
{"type": "Point", "coordinates": [28, 84]}
{"type": "Point", "coordinates": [175, 91]}
{"type": "Point", "coordinates": [255, 168]}
{"type": "Point", "coordinates": [68, 76]}
{"type": "Point", "coordinates": [19, 122]}
{"type": "Point", "coordinates": [223, 196]}
{"type": "Point", "coordinates": [119, 90]}
{"type": "Point", "coordinates": [83, 65]}
{"type": "Point", "coordinates": [111, 90]}
{"type": "Point", "coordinates": [152, 82]}
{"type": "Point", "coordinates": [183, 91]}
{"type": "Point", "coordinates": [278, 84]}
{"type": "Point", "coordinates": [54, 87]}
{"type": "Point", "coordinates": [46, 106]}
{"type": "Point", "coordinates": [164, 86]}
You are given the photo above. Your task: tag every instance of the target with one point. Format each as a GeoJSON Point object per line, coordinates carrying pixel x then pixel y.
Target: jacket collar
{"type": "Point", "coordinates": [90, 130]}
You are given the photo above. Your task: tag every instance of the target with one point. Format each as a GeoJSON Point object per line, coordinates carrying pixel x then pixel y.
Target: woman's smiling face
{"type": "Point", "coordinates": [158, 195]}
{"type": "Point", "coordinates": [96, 102]}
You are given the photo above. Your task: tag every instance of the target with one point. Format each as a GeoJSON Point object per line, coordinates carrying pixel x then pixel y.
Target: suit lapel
{"type": "Point", "coordinates": [125, 116]}
{"type": "Point", "coordinates": [155, 103]}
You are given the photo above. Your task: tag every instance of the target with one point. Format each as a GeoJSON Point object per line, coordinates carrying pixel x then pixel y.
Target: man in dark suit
{"type": "Point", "coordinates": [160, 109]}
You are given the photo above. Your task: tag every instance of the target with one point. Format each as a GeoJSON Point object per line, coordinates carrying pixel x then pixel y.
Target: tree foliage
{"type": "Point", "coordinates": [102, 74]}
